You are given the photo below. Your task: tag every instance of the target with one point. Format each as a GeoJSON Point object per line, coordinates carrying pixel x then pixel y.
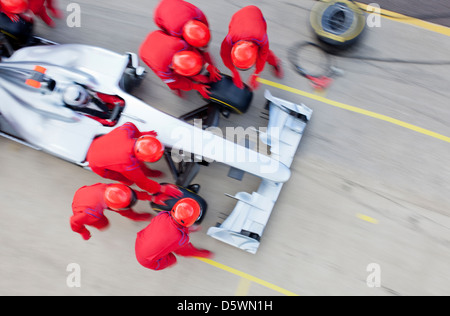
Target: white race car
{"type": "Point", "coordinates": [32, 111]}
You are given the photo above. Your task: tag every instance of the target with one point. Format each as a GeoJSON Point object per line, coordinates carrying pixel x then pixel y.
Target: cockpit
{"type": "Point", "coordinates": [101, 107]}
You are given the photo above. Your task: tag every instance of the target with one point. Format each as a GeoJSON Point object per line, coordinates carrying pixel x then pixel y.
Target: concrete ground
{"type": "Point", "coordinates": [366, 211]}
{"type": "Point", "coordinates": [434, 11]}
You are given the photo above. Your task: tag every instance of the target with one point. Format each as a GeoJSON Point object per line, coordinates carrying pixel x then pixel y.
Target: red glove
{"type": "Point", "coordinates": [13, 17]}
{"type": "Point", "coordinates": [278, 69]}
{"type": "Point", "coordinates": [238, 82]}
{"type": "Point", "coordinates": [253, 82]}
{"type": "Point", "coordinates": [86, 235]}
{"type": "Point", "coordinates": [201, 78]}
{"type": "Point", "coordinates": [202, 89]}
{"type": "Point", "coordinates": [202, 253]}
{"type": "Point", "coordinates": [190, 250]}
{"type": "Point", "coordinates": [214, 73]}
{"type": "Point", "coordinates": [160, 199]}
{"type": "Point", "coordinates": [171, 190]}
{"type": "Point", "coordinates": [150, 133]}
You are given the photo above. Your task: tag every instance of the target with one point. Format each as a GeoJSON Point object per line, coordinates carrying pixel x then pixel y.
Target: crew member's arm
{"type": "Point", "coordinates": [178, 82]}
{"type": "Point", "coordinates": [141, 180]}
{"type": "Point", "coordinates": [189, 250]}
{"type": "Point", "coordinates": [225, 53]}
{"type": "Point", "coordinates": [214, 73]}
{"type": "Point", "coordinates": [134, 132]}
{"type": "Point", "coordinates": [263, 53]}
{"type": "Point", "coordinates": [131, 214]}
{"type": "Point", "coordinates": [77, 225]}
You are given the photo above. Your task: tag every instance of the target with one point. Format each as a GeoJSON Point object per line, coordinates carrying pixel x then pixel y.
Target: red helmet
{"type": "Point", "coordinates": [187, 63]}
{"type": "Point", "coordinates": [244, 54]}
{"type": "Point", "coordinates": [148, 148]}
{"type": "Point", "coordinates": [119, 196]}
{"type": "Point", "coordinates": [14, 6]}
{"type": "Point", "coordinates": [196, 33]}
{"type": "Point", "coordinates": [186, 212]}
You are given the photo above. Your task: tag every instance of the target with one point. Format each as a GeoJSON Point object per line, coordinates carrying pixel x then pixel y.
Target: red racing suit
{"type": "Point", "coordinates": [88, 209]}
{"type": "Point", "coordinates": [161, 239]}
{"type": "Point", "coordinates": [39, 8]}
{"type": "Point", "coordinates": [247, 24]}
{"type": "Point", "coordinates": [171, 16]}
{"type": "Point", "coordinates": [157, 52]}
{"type": "Point", "coordinates": [112, 156]}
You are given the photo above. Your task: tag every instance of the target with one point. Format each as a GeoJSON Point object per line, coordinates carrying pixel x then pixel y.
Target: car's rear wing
{"type": "Point", "coordinates": [244, 227]}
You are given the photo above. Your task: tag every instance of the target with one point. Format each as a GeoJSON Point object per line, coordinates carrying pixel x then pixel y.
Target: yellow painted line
{"type": "Point", "coordinates": [394, 16]}
{"type": "Point", "coordinates": [247, 277]}
{"type": "Point", "coordinates": [367, 218]}
{"type": "Point", "coordinates": [229, 105]}
{"type": "Point", "coordinates": [243, 287]}
{"type": "Point", "coordinates": [356, 110]}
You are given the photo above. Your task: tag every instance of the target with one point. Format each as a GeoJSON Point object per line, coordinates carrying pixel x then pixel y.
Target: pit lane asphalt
{"type": "Point", "coordinates": [364, 190]}
{"type": "Point", "coordinates": [434, 11]}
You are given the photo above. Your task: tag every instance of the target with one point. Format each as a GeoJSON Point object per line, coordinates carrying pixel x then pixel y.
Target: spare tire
{"type": "Point", "coordinates": [338, 23]}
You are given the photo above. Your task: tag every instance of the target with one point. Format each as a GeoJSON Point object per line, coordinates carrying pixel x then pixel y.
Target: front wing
{"type": "Point", "coordinates": [245, 225]}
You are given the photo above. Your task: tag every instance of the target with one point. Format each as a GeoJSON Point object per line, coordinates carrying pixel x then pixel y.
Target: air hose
{"type": "Point", "coordinates": [338, 25]}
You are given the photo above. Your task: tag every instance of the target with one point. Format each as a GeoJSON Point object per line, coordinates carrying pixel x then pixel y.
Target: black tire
{"type": "Point", "coordinates": [186, 194]}
{"type": "Point", "coordinates": [130, 80]}
{"type": "Point", "coordinates": [339, 23]}
{"type": "Point", "coordinates": [228, 96]}
{"type": "Point", "coordinates": [19, 33]}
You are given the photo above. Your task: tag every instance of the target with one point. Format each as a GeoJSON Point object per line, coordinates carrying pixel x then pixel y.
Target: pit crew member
{"type": "Point", "coordinates": [122, 154]}
{"type": "Point", "coordinates": [182, 19]}
{"type": "Point", "coordinates": [167, 235]}
{"type": "Point", "coordinates": [247, 44]}
{"type": "Point", "coordinates": [90, 202]}
{"type": "Point", "coordinates": [175, 62]}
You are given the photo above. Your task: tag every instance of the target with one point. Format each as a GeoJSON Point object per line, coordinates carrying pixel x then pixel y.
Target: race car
{"type": "Point", "coordinates": [33, 111]}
